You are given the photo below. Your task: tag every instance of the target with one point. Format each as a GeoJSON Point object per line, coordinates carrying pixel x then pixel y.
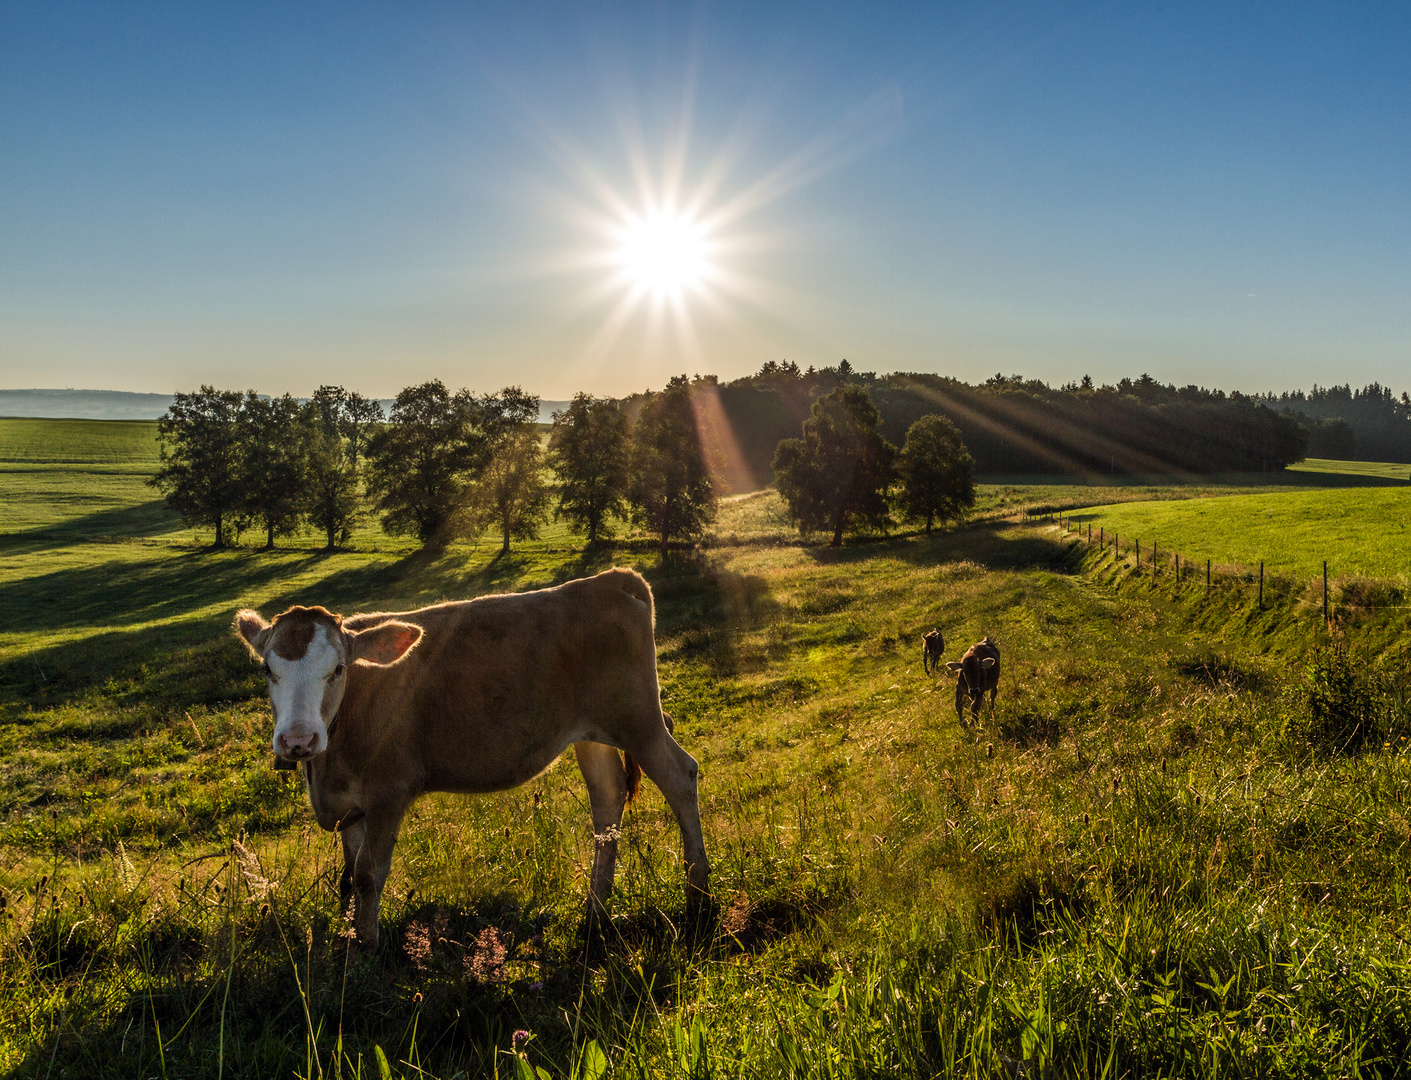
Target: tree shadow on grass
{"type": "Point", "coordinates": [991, 545]}
{"type": "Point", "coordinates": [141, 522]}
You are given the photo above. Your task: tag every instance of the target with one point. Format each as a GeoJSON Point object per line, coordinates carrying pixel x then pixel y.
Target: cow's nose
{"type": "Point", "coordinates": [298, 746]}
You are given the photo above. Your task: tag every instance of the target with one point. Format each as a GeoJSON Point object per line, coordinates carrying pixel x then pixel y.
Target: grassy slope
{"type": "Point", "coordinates": [1134, 857]}
{"type": "Point", "coordinates": [1358, 531]}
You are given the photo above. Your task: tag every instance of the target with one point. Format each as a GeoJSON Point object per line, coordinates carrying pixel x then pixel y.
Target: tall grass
{"type": "Point", "coordinates": [1151, 861]}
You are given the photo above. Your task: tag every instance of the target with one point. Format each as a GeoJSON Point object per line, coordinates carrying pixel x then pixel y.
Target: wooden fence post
{"type": "Point", "coordinates": [1207, 578]}
{"type": "Point", "coordinates": [1325, 592]}
{"type": "Point", "coordinates": [1178, 568]}
{"type": "Point", "coordinates": [1102, 536]}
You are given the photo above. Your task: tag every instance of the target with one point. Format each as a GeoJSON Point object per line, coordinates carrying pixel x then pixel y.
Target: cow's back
{"type": "Point", "coordinates": [499, 685]}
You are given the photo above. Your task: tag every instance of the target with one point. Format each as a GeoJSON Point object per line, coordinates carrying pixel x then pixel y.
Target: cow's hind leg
{"type": "Point", "coordinates": [674, 772]}
{"type": "Point", "coordinates": [606, 778]}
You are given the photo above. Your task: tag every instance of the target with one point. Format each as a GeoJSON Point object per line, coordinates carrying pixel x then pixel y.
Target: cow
{"type": "Point", "coordinates": [933, 647]}
{"type": "Point", "coordinates": [976, 672]}
{"type": "Point", "coordinates": [473, 696]}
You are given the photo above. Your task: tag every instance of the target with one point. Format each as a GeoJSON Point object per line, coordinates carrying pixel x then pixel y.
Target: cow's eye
{"type": "Point", "coordinates": [268, 673]}
{"type": "Point", "coordinates": [337, 673]}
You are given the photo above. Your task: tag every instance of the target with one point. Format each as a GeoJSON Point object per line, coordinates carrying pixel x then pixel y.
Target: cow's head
{"type": "Point", "coordinates": [306, 655]}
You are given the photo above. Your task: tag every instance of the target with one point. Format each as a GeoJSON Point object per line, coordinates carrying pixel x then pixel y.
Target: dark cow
{"type": "Point", "coordinates": [473, 696]}
{"type": "Point", "coordinates": [976, 672]}
{"type": "Point", "coordinates": [933, 647]}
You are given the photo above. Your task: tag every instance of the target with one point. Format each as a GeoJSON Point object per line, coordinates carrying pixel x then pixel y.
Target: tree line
{"type": "Point", "coordinates": [443, 465]}
{"type": "Point", "coordinates": [1014, 425]}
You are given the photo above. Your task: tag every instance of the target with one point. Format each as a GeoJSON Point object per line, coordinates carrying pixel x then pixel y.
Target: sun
{"type": "Point", "coordinates": [664, 254]}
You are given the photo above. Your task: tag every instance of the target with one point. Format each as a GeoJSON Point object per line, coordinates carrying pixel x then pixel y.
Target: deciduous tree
{"type": "Point", "coordinates": [199, 444]}
{"type": "Point", "coordinates": [588, 452]}
{"type": "Point", "coordinates": [274, 462]}
{"type": "Point", "coordinates": [511, 490]}
{"type": "Point", "coordinates": [335, 426]}
{"type": "Point", "coordinates": [838, 473]}
{"type": "Point", "coordinates": [671, 493]}
{"type": "Point", "coordinates": [421, 465]}
{"type": "Point", "coordinates": [937, 472]}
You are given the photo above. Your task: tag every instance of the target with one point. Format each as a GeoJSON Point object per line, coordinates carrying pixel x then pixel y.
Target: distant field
{"type": "Point", "coordinates": [1381, 469]}
{"type": "Point", "coordinates": [1363, 531]}
{"type": "Point", "coordinates": [79, 442]}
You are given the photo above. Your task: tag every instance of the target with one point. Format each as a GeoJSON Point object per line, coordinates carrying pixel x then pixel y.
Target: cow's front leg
{"type": "Point", "coordinates": [367, 858]}
{"type": "Point", "coordinates": [606, 778]}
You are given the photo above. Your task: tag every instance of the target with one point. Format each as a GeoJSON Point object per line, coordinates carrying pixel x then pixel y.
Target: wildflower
{"type": "Point", "coordinates": [537, 985]}
{"type": "Point", "coordinates": [485, 959]}
{"type": "Point", "coordinates": [521, 1038]}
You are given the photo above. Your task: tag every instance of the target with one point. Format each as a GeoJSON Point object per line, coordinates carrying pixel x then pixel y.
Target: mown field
{"type": "Point", "coordinates": [1179, 846]}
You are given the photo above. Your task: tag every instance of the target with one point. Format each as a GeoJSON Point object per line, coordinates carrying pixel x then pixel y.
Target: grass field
{"type": "Point", "coordinates": [1358, 531]}
{"type": "Point", "coordinates": [1377, 469]}
{"type": "Point", "coordinates": [1180, 847]}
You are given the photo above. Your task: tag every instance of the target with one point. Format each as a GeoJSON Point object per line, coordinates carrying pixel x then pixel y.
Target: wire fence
{"type": "Point", "coordinates": [1332, 595]}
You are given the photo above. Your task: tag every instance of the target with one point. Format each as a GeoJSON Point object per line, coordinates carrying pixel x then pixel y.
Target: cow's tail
{"type": "Point", "coordinates": [634, 777]}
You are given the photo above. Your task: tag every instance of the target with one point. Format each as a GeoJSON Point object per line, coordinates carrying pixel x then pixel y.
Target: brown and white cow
{"type": "Point", "coordinates": [976, 672]}
{"type": "Point", "coordinates": [473, 696]}
{"type": "Point", "coordinates": [933, 647]}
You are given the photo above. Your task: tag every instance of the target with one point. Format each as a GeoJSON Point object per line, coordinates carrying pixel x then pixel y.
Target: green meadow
{"type": "Point", "coordinates": [1178, 847]}
{"type": "Point", "coordinates": [1359, 531]}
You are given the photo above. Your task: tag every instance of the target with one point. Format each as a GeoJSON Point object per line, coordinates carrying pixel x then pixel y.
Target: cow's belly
{"type": "Point", "coordinates": [494, 763]}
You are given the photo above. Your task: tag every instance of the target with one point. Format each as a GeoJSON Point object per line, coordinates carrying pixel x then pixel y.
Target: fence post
{"type": "Point", "coordinates": [1178, 568]}
{"type": "Point", "coordinates": [1261, 584]}
{"type": "Point", "coordinates": [1102, 536]}
{"type": "Point", "coordinates": [1207, 579]}
{"type": "Point", "coordinates": [1325, 592]}
{"type": "Point", "coordinates": [1139, 554]}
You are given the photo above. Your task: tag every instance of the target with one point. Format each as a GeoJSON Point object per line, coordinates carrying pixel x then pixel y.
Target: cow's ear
{"type": "Point", "coordinates": [988, 662]}
{"type": "Point", "coordinates": [384, 644]}
{"type": "Point", "coordinates": [954, 665]}
{"type": "Point", "coordinates": [252, 629]}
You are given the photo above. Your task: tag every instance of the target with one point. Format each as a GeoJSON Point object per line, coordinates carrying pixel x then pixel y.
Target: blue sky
{"type": "Point", "coordinates": [280, 195]}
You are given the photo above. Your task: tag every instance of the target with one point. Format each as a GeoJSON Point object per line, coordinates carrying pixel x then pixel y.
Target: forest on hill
{"type": "Point", "coordinates": [1017, 425]}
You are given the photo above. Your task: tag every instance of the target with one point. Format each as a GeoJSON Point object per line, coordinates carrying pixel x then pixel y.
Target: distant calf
{"type": "Point", "coordinates": [933, 647]}
{"type": "Point", "coordinates": [976, 671]}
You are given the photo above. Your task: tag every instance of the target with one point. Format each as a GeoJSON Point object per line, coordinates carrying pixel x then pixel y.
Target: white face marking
{"type": "Point", "coordinates": [305, 696]}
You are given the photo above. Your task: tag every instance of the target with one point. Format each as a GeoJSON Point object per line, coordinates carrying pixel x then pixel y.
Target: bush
{"type": "Point", "coordinates": [1339, 707]}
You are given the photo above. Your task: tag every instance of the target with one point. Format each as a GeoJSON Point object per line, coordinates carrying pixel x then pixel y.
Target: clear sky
{"type": "Point", "coordinates": [597, 196]}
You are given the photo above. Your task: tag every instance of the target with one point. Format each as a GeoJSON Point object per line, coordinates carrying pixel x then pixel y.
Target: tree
{"type": "Point", "coordinates": [937, 472]}
{"type": "Point", "coordinates": [839, 471]}
{"type": "Point", "coordinates": [273, 489]}
{"type": "Point", "coordinates": [335, 423]}
{"type": "Point", "coordinates": [670, 493]}
{"type": "Point", "coordinates": [420, 466]}
{"type": "Point", "coordinates": [511, 487]}
{"type": "Point", "coordinates": [199, 445]}
{"type": "Point", "coordinates": [588, 452]}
